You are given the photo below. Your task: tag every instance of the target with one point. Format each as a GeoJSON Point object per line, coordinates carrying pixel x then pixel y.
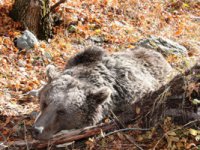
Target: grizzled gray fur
{"type": "Point", "coordinates": [95, 83]}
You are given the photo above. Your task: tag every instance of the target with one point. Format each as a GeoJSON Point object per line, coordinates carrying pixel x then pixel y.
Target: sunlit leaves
{"type": "Point", "coordinates": [115, 25]}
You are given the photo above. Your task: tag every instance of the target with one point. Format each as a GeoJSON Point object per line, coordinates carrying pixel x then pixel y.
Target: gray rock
{"type": "Point", "coordinates": [27, 41]}
{"type": "Point", "coordinates": [97, 39]}
{"type": "Point", "coordinates": [164, 45]}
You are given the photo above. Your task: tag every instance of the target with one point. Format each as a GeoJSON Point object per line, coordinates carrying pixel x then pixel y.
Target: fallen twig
{"type": "Point", "coordinates": [34, 93]}
{"type": "Point", "coordinates": [126, 129]}
{"type": "Point", "coordinates": [57, 4]}
{"type": "Point", "coordinates": [25, 137]}
{"type": "Point", "coordinates": [65, 137]}
{"type": "Point", "coordinates": [128, 137]}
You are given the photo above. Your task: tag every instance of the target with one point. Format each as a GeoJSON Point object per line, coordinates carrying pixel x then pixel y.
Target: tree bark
{"type": "Point", "coordinates": [35, 16]}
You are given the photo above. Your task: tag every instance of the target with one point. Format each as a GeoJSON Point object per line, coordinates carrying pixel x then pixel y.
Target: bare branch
{"type": "Point", "coordinates": [65, 137]}
{"type": "Point", "coordinates": [56, 5]}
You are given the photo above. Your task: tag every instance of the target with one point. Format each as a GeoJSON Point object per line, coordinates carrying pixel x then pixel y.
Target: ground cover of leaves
{"type": "Point", "coordinates": [112, 24]}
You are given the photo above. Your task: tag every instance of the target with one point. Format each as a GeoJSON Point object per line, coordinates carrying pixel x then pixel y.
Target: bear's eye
{"type": "Point", "coordinates": [44, 105]}
{"type": "Point", "coordinates": [61, 112]}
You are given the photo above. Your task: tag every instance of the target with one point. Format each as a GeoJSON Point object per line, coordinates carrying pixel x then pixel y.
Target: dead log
{"type": "Point", "coordinates": [170, 97]}
{"type": "Point", "coordinates": [65, 137]}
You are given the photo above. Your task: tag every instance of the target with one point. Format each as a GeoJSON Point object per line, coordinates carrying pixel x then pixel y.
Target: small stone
{"type": "Point", "coordinates": [27, 41]}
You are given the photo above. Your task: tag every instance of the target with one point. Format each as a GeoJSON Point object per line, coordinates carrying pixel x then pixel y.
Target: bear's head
{"type": "Point", "coordinates": [67, 103]}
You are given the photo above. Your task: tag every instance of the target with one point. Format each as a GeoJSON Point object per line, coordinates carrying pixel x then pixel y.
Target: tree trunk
{"type": "Point", "coordinates": [34, 16]}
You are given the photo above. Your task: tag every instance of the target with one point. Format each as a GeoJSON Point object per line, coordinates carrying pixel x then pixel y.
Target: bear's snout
{"type": "Point", "coordinates": [36, 131]}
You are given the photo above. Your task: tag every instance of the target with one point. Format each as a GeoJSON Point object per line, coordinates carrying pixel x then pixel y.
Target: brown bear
{"type": "Point", "coordinates": [94, 84]}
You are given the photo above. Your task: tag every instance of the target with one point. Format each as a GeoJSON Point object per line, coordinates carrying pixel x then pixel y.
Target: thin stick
{"type": "Point", "coordinates": [117, 119]}
{"type": "Point", "coordinates": [56, 5]}
{"type": "Point", "coordinates": [122, 130]}
{"type": "Point", "coordinates": [25, 138]}
{"type": "Point", "coordinates": [133, 142]}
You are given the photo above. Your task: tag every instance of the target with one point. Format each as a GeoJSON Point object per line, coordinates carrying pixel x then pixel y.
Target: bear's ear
{"type": "Point", "coordinates": [51, 72]}
{"type": "Point", "coordinates": [100, 95]}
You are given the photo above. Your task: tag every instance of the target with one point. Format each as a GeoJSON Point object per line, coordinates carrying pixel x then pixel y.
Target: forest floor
{"type": "Point", "coordinates": [112, 24]}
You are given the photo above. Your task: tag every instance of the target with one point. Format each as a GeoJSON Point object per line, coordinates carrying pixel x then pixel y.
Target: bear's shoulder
{"type": "Point", "coordinates": [90, 55]}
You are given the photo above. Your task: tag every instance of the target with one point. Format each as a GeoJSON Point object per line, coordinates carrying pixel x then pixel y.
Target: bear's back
{"type": "Point", "coordinates": [129, 74]}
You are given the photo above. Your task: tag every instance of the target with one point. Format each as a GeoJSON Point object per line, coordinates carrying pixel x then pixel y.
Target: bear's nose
{"type": "Point", "coordinates": [36, 131]}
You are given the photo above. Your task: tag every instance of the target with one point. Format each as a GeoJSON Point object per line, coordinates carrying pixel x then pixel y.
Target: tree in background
{"type": "Point", "coordinates": [35, 15]}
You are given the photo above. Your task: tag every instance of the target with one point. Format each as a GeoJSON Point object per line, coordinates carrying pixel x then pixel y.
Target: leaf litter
{"type": "Point", "coordinates": [112, 24]}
